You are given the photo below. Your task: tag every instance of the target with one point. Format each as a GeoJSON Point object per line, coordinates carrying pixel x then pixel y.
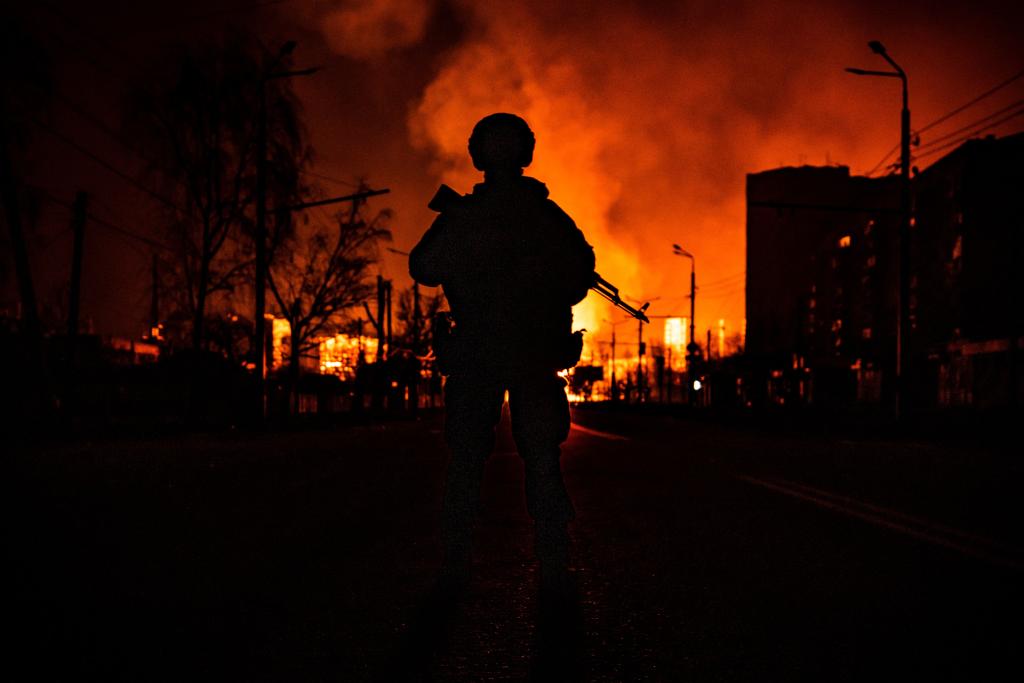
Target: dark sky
{"type": "Point", "coordinates": [647, 115]}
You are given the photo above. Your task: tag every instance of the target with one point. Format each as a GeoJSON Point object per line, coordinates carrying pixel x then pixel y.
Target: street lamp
{"type": "Point", "coordinates": [259, 340]}
{"type": "Point", "coordinates": [903, 291]}
{"type": "Point", "coordinates": [693, 348]}
{"type": "Point", "coordinates": [640, 348]}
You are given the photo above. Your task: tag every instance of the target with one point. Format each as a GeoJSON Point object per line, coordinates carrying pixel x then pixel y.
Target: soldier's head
{"type": "Point", "coordinates": [501, 142]}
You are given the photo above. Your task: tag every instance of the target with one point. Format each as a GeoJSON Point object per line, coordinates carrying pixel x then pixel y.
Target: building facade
{"type": "Point", "coordinates": [822, 273]}
{"type": "Point", "coordinates": [820, 277]}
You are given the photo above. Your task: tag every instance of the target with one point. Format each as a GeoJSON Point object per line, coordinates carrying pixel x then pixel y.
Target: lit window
{"type": "Point", "coordinates": [844, 241]}
{"type": "Point", "coordinates": [958, 247]}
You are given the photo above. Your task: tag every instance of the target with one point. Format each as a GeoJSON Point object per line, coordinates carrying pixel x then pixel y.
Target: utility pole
{"type": "Point", "coordinates": [380, 318]}
{"type": "Point", "coordinates": [668, 375]}
{"type": "Point", "coordinates": [259, 333]}
{"type": "Point", "coordinates": [78, 215]}
{"type": "Point", "coordinates": [387, 286]}
{"type": "Point", "coordinates": [615, 384]}
{"type": "Point", "coordinates": [640, 361]}
{"type": "Point", "coordinates": [416, 318]}
{"type": "Point", "coordinates": [154, 301]}
{"type": "Point", "coordinates": [903, 286]}
{"type": "Point", "coordinates": [903, 329]}
{"type": "Point", "coordinates": [693, 297]}
{"type": "Point", "coordinates": [259, 322]}
{"type": "Point", "coordinates": [692, 347]}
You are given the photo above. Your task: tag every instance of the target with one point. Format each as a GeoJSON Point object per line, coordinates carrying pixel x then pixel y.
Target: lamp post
{"type": "Point", "coordinates": [260, 286]}
{"type": "Point", "coordinates": [903, 288]}
{"type": "Point", "coordinates": [641, 348]}
{"type": "Point", "coordinates": [692, 348]}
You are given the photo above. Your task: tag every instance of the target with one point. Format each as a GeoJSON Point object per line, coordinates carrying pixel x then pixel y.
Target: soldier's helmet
{"type": "Point", "coordinates": [501, 141]}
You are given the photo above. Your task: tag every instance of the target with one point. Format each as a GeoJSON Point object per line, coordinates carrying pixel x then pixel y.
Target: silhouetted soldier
{"type": "Point", "coordinates": [512, 264]}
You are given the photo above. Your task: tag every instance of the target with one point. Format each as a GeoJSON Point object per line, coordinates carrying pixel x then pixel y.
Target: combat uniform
{"type": "Point", "coordinates": [512, 264]}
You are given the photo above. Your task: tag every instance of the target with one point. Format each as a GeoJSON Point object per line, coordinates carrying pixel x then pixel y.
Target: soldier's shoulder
{"type": "Point", "coordinates": [556, 214]}
{"type": "Point", "coordinates": [539, 192]}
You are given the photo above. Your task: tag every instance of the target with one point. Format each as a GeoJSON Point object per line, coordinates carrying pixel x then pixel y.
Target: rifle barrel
{"type": "Point", "coordinates": [611, 293]}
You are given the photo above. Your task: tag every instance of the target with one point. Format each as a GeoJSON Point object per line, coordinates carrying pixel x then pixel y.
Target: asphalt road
{"type": "Point", "coordinates": [702, 552]}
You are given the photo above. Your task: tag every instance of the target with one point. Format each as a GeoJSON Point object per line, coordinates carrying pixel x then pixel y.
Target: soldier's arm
{"type": "Point", "coordinates": [430, 260]}
{"type": "Point", "coordinates": [578, 258]}
{"type": "Point", "coordinates": [581, 262]}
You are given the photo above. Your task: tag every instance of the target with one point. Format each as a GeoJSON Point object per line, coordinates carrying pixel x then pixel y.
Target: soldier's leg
{"type": "Point", "coordinates": [540, 423]}
{"type": "Point", "coordinates": [472, 409]}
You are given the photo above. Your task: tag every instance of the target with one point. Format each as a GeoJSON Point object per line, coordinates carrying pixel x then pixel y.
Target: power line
{"type": "Point", "coordinates": [932, 143]}
{"type": "Point", "coordinates": [972, 134]}
{"type": "Point", "coordinates": [947, 116]}
{"type": "Point", "coordinates": [883, 160]}
{"type": "Point", "coordinates": [736, 286]}
{"type": "Point", "coordinates": [971, 102]}
{"type": "Point", "coordinates": [334, 180]}
{"type": "Point", "coordinates": [105, 164]}
{"type": "Point", "coordinates": [724, 294]}
{"type": "Point", "coordinates": [99, 123]}
{"type": "Point", "coordinates": [107, 224]}
{"type": "Point", "coordinates": [742, 273]}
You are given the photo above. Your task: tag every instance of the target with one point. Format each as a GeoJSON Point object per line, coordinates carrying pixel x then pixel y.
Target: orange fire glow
{"type": "Point", "coordinates": [649, 115]}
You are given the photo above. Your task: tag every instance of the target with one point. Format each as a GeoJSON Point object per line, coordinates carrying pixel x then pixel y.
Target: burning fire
{"type": "Point", "coordinates": [649, 115]}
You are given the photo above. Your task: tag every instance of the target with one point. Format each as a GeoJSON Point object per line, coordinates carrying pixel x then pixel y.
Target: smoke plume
{"type": "Point", "coordinates": [367, 29]}
{"type": "Point", "coordinates": [648, 116]}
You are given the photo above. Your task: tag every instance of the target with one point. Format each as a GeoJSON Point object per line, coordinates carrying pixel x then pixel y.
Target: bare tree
{"type": "Point", "coordinates": [24, 96]}
{"type": "Point", "coordinates": [196, 121]}
{"type": "Point", "coordinates": [315, 278]}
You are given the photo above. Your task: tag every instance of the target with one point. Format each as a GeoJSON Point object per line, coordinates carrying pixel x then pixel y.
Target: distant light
{"type": "Point", "coordinates": [844, 241]}
{"type": "Point", "coordinates": [696, 385]}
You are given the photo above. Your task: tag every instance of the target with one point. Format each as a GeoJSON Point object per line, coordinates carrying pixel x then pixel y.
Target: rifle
{"type": "Point", "coordinates": [446, 196]}
{"type": "Point", "coordinates": [611, 292]}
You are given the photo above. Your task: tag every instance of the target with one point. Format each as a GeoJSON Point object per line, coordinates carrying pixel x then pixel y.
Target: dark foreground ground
{"type": "Point", "coordinates": [703, 553]}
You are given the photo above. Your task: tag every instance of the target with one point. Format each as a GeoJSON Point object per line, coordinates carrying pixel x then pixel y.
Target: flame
{"type": "Point", "coordinates": [339, 355]}
{"type": "Point", "coordinates": [649, 115]}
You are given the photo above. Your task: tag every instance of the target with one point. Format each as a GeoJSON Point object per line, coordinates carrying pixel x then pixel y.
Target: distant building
{"type": "Point", "coordinates": [967, 292]}
{"type": "Point", "coordinates": [820, 277]}
{"type": "Point", "coordinates": [821, 282]}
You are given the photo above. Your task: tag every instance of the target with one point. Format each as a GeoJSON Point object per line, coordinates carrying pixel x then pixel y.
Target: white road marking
{"type": "Point", "coordinates": [600, 435]}
{"type": "Point", "coordinates": [980, 547]}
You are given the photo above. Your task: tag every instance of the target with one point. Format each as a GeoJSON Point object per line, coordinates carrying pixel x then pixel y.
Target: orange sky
{"type": "Point", "coordinates": [648, 115]}
{"type": "Point", "coordinates": [648, 120]}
